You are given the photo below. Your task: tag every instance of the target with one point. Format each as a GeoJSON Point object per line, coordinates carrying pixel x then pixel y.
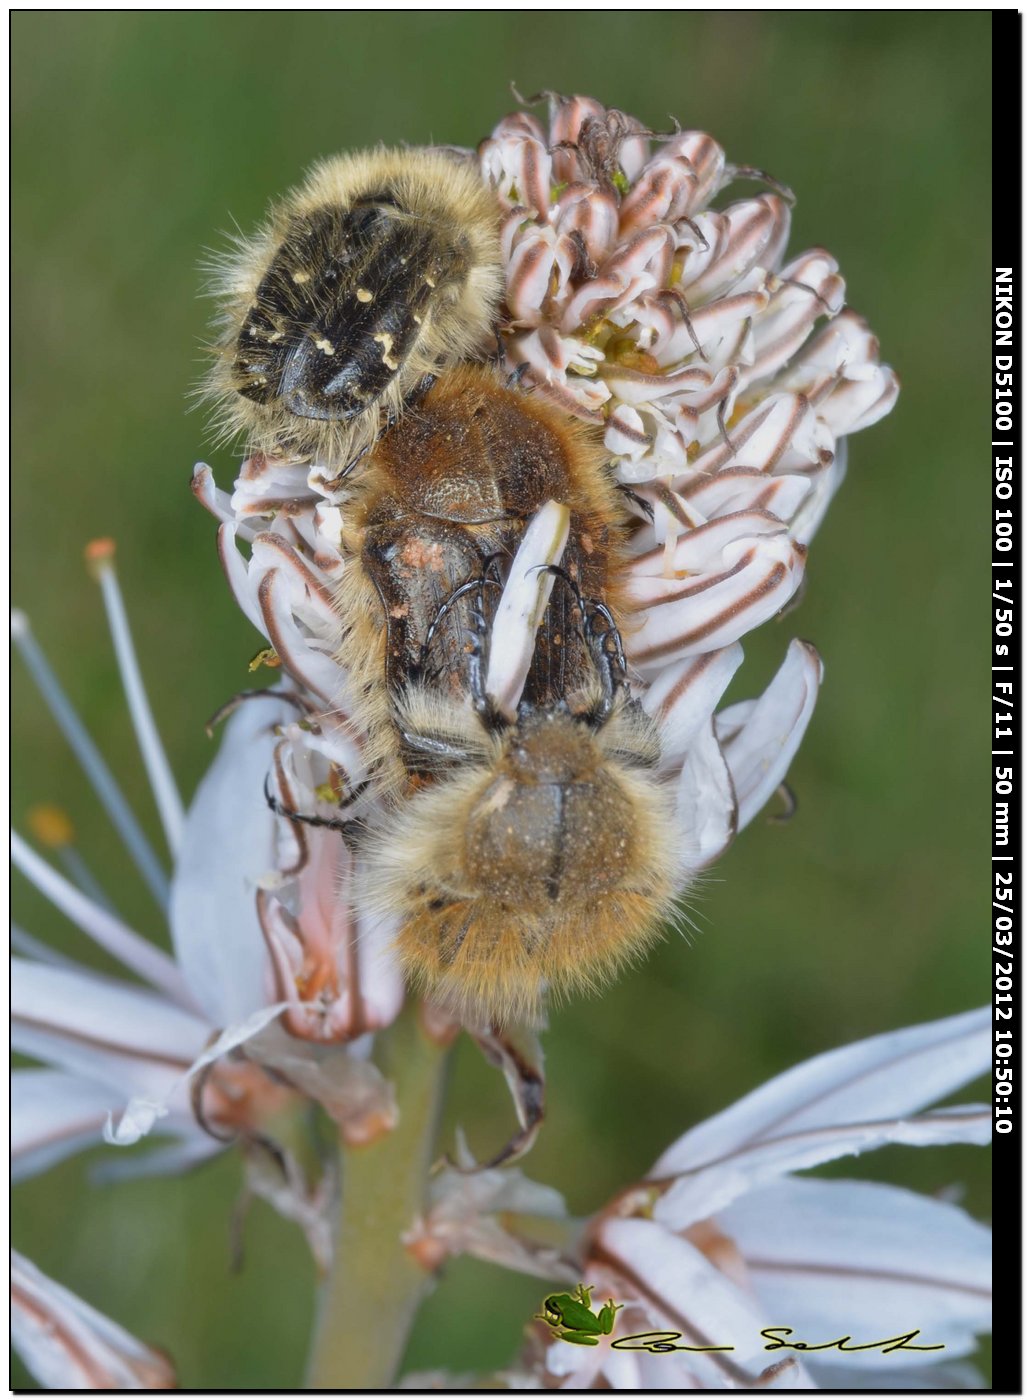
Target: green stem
{"type": "Point", "coordinates": [369, 1301]}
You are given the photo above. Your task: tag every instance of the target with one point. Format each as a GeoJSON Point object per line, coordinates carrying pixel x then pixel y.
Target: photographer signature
{"type": "Point", "coordinates": [777, 1339]}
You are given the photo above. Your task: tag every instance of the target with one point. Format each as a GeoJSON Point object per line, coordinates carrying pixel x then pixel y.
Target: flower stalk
{"type": "Point", "coordinates": [371, 1296]}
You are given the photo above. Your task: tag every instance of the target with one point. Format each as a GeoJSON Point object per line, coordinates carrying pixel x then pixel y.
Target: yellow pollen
{"type": "Point", "coordinates": [266, 657]}
{"type": "Point", "coordinates": [51, 825]}
{"type": "Point", "coordinates": [669, 547]}
{"type": "Point", "coordinates": [364, 295]}
{"type": "Point", "coordinates": [301, 277]}
{"type": "Point", "coordinates": [326, 346]}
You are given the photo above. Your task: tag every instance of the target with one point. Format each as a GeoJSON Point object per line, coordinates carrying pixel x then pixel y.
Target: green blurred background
{"type": "Point", "coordinates": [138, 138]}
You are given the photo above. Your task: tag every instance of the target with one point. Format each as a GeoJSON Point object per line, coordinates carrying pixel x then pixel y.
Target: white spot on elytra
{"type": "Point", "coordinates": [384, 339]}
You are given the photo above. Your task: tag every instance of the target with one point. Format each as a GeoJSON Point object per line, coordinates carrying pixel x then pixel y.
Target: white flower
{"type": "Point", "coordinates": [196, 1051]}
{"type": "Point", "coordinates": [67, 1345]}
{"type": "Point", "coordinates": [721, 1241]}
{"type": "Point", "coordinates": [678, 327]}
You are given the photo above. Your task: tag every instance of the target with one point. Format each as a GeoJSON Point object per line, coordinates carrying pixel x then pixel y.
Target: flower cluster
{"type": "Point", "coordinates": [677, 327]}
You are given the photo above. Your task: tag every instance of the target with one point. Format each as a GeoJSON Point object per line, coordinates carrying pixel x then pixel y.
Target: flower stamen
{"type": "Point", "coordinates": [100, 557]}
{"type": "Point", "coordinates": [123, 943]}
{"type": "Point", "coordinates": [102, 780]}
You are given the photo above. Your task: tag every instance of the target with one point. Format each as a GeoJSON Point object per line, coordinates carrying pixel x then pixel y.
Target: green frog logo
{"type": "Point", "coordinates": [570, 1318]}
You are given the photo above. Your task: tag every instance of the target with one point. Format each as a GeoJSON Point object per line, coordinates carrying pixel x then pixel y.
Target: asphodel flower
{"type": "Point", "coordinates": [680, 329]}
{"type": "Point", "coordinates": [202, 1047]}
{"type": "Point", "coordinates": [722, 1240]}
{"type": "Point", "coordinates": [724, 376]}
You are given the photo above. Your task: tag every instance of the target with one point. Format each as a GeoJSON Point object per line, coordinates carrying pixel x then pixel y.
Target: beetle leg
{"type": "Point", "coordinates": [344, 824]}
{"type": "Point", "coordinates": [484, 706]}
{"type": "Point", "coordinates": [610, 662]}
{"type": "Point", "coordinates": [472, 585]}
{"type": "Point", "coordinates": [639, 502]}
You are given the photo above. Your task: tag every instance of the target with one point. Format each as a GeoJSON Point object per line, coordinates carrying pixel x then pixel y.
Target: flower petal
{"type": "Point", "coordinates": [728, 576]}
{"type": "Point", "coordinates": [474, 1211]}
{"type": "Point", "coordinates": [350, 1087]}
{"type": "Point", "coordinates": [871, 1261]}
{"type": "Point", "coordinates": [67, 1345]}
{"type": "Point", "coordinates": [114, 1017]}
{"type": "Point", "coordinates": [684, 695]}
{"type": "Point", "coordinates": [216, 501]}
{"type": "Point", "coordinates": [104, 928]}
{"type": "Point", "coordinates": [745, 488]}
{"type": "Point", "coordinates": [844, 1101]}
{"type": "Point", "coordinates": [680, 1287]}
{"type": "Point", "coordinates": [523, 601]}
{"type": "Point", "coordinates": [760, 737]}
{"type": "Point", "coordinates": [53, 1115]}
{"type": "Point", "coordinates": [748, 234]}
{"type": "Point", "coordinates": [298, 651]}
{"type": "Point", "coordinates": [143, 1111]}
{"type": "Point", "coordinates": [591, 214]}
{"type": "Point", "coordinates": [938, 1378]}
{"type": "Point", "coordinates": [519, 168]}
{"type": "Point", "coordinates": [271, 486]}
{"type": "Point", "coordinates": [763, 439]}
{"type": "Point", "coordinates": [808, 518]}
{"type": "Point", "coordinates": [808, 288]}
{"type": "Point", "coordinates": [228, 850]}
{"type": "Point", "coordinates": [237, 574]}
{"type": "Point", "coordinates": [706, 808]}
